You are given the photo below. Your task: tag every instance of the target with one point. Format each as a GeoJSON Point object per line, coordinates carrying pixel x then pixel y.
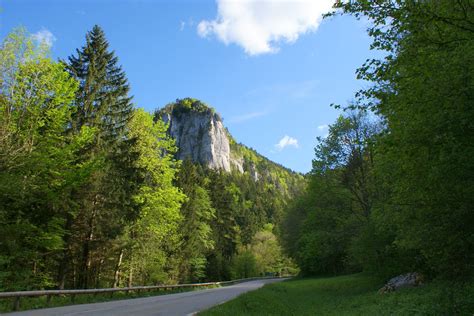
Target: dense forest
{"type": "Point", "coordinates": [391, 189]}
{"type": "Point", "coordinates": [92, 195]}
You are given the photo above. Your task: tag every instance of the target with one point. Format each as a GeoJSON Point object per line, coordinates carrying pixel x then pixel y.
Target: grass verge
{"type": "Point", "coordinates": [355, 294]}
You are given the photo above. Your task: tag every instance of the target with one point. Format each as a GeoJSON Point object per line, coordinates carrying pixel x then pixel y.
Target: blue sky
{"type": "Point", "coordinates": [271, 71]}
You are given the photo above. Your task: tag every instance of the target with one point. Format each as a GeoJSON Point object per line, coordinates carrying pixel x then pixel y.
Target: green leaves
{"type": "Point", "coordinates": [157, 200]}
{"type": "Point", "coordinates": [38, 164]}
{"type": "Point", "coordinates": [322, 225]}
{"type": "Point", "coordinates": [423, 90]}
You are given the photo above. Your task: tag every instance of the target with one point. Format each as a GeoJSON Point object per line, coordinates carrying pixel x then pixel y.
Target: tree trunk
{"type": "Point", "coordinates": [117, 269]}
{"type": "Point", "coordinates": [130, 272]}
{"type": "Point", "coordinates": [130, 277]}
{"type": "Point", "coordinates": [65, 260]}
{"type": "Point", "coordinates": [86, 249]}
{"type": "Point", "coordinates": [74, 277]}
{"type": "Point", "coordinates": [99, 273]}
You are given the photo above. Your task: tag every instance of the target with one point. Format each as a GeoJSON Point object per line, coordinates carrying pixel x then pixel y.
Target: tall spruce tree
{"type": "Point", "coordinates": [102, 103]}
{"type": "Point", "coordinates": [102, 100]}
{"type": "Point", "coordinates": [195, 229]}
{"type": "Point", "coordinates": [224, 196]}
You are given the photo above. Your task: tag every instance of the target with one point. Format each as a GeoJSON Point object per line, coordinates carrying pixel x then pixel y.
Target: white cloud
{"type": "Point", "coordinates": [246, 117]}
{"type": "Point", "coordinates": [44, 36]}
{"type": "Point", "coordinates": [286, 141]}
{"type": "Point", "coordinates": [323, 127]}
{"type": "Point", "coordinates": [259, 26]}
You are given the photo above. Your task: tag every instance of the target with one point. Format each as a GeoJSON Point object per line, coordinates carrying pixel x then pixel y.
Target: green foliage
{"type": "Point", "coordinates": [90, 192]}
{"type": "Point", "coordinates": [322, 226]}
{"type": "Point", "coordinates": [157, 200]}
{"type": "Point", "coordinates": [104, 201]}
{"type": "Point", "coordinates": [102, 100]}
{"type": "Point", "coordinates": [195, 231]}
{"type": "Point", "coordinates": [398, 197]}
{"type": "Point", "coordinates": [184, 106]}
{"type": "Point", "coordinates": [262, 257]}
{"type": "Point", "coordinates": [243, 207]}
{"type": "Point", "coordinates": [38, 163]}
{"type": "Point", "coordinates": [243, 202]}
{"type": "Point", "coordinates": [244, 265]}
{"type": "Point", "coordinates": [222, 214]}
{"type": "Point", "coordinates": [423, 90]}
{"type": "Point", "coordinates": [268, 253]}
{"type": "Point", "coordinates": [226, 232]}
{"type": "Point", "coordinates": [286, 181]}
{"type": "Point", "coordinates": [91, 195]}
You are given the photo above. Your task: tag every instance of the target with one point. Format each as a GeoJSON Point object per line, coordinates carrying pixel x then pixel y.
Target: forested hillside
{"type": "Point", "coordinates": [93, 193]}
{"type": "Point", "coordinates": [248, 194]}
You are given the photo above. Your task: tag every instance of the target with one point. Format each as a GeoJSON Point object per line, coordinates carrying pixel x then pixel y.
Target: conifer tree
{"type": "Point", "coordinates": [224, 196]}
{"type": "Point", "coordinates": [195, 229]}
{"type": "Point", "coordinates": [102, 103]}
{"type": "Point", "coordinates": [102, 100]}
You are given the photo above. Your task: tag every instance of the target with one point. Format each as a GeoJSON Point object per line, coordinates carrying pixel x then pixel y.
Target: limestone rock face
{"type": "Point", "coordinates": [201, 137]}
{"type": "Point", "coordinates": [237, 163]}
{"type": "Point", "coordinates": [254, 172]}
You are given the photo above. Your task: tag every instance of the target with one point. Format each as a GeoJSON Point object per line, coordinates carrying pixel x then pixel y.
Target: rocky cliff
{"type": "Point", "coordinates": [201, 136]}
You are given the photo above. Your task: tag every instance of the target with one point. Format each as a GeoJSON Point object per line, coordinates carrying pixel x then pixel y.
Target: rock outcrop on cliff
{"type": "Point", "coordinates": [201, 137]}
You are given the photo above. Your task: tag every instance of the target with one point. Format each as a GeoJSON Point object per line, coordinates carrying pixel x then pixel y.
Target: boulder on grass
{"type": "Point", "coordinates": [404, 280]}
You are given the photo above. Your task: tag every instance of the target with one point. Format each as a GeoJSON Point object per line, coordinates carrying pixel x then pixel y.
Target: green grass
{"type": "Point", "coordinates": [355, 294]}
{"type": "Point", "coordinates": [27, 303]}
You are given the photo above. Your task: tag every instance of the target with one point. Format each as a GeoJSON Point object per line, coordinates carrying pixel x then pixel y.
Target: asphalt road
{"type": "Point", "coordinates": [186, 303]}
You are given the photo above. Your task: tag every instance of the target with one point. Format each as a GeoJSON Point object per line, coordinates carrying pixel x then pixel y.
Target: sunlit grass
{"type": "Point", "coordinates": [351, 295]}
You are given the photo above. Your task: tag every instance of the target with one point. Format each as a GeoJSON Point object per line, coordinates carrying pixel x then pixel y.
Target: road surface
{"type": "Point", "coordinates": [186, 303]}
